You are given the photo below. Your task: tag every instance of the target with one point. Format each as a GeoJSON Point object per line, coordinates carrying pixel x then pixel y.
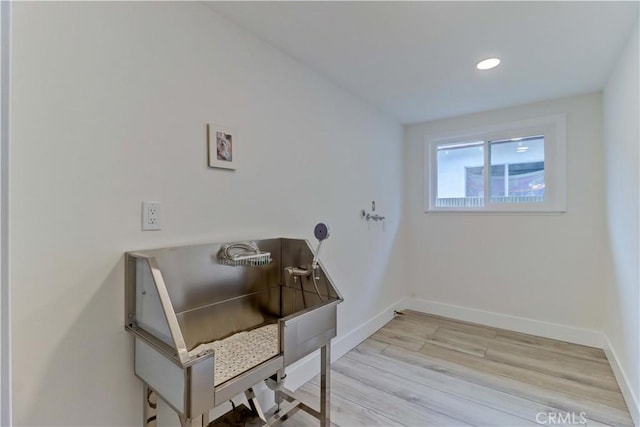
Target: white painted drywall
{"type": "Point", "coordinates": [622, 169]}
{"type": "Point", "coordinates": [109, 106]}
{"type": "Point", "coordinates": [540, 267]}
{"type": "Point", "coordinates": [5, 296]}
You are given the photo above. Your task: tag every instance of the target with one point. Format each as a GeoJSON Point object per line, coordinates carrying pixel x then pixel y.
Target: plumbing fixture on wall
{"type": "Point", "coordinates": [372, 216]}
{"type": "Point", "coordinates": [368, 216]}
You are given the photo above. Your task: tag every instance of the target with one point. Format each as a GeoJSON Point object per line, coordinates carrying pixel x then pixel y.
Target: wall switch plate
{"type": "Point", "coordinates": [151, 218]}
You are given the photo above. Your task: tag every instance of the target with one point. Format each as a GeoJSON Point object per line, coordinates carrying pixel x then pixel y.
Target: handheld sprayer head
{"type": "Point", "coordinates": [321, 231]}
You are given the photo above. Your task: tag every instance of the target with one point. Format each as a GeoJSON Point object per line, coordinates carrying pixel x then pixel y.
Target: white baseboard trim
{"type": "Point", "coordinates": [513, 323]}
{"type": "Point", "coordinates": [308, 367]}
{"type": "Point", "coordinates": [627, 392]}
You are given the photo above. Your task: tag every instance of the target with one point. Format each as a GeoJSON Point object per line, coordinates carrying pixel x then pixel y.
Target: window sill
{"type": "Point", "coordinates": [496, 212]}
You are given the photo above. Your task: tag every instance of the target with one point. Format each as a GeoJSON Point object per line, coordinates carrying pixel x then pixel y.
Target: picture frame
{"type": "Point", "coordinates": [222, 147]}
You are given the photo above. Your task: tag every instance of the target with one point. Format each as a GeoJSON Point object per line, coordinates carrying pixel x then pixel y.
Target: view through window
{"type": "Point", "coordinates": [517, 172]}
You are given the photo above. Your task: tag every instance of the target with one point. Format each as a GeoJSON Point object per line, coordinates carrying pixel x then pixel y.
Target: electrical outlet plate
{"type": "Point", "coordinates": [151, 216]}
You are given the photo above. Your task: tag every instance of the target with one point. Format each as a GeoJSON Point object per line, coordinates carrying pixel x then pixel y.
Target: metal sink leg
{"type": "Point", "coordinates": [325, 385]}
{"type": "Point", "coordinates": [149, 408]}
{"type": "Point", "coordinates": [254, 404]}
{"type": "Point", "coordinates": [283, 412]}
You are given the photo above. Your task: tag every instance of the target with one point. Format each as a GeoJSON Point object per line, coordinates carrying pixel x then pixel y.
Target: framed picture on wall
{"type": "Point", "coordinates": [222, 147]}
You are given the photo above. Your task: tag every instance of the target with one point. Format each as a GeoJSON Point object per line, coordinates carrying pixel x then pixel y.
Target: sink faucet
{"type": "Point", "coordinates": [298, 271]}
{"type": "Point", "coordinates": [321, 231]}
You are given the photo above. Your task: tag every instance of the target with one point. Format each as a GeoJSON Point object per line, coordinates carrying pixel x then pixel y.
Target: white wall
{"type": "Point", "coordinates": [541, 267]}
{"type": "Point", "coordinates": [622, 166]}
{"type": "Point", "coordinates": [5, 343]}
{"type": "Point", "coordinates": [109, 105]}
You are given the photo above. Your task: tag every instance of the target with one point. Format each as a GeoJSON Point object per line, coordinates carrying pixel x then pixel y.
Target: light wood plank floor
{"type": "Point", "coordinates": [422, 370]}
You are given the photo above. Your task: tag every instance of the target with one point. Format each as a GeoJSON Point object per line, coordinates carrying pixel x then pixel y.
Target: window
{"type": "Point", "coordinates": [517, 167]}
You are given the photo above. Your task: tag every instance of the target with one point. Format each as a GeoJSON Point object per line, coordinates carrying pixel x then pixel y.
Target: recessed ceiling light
{"type": "Point", "coordinates": [488, 64]}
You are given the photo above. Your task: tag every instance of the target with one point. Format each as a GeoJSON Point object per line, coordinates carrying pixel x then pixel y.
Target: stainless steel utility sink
{"type": "Point", "coordinates": [181, 300]}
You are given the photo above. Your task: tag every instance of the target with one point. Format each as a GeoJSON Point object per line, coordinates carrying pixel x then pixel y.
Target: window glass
{"type": "Point", "coordinates": [517, 170]}
{"type": "Point", "coordinates": [460, 176]}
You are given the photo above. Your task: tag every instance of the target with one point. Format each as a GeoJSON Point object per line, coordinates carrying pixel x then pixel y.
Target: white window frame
{"type": "Point", "coordinates": [554, 129]}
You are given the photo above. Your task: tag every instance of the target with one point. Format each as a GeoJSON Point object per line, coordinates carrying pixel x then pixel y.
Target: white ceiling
{"type": "Point", "coordinates": [416, 60]}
